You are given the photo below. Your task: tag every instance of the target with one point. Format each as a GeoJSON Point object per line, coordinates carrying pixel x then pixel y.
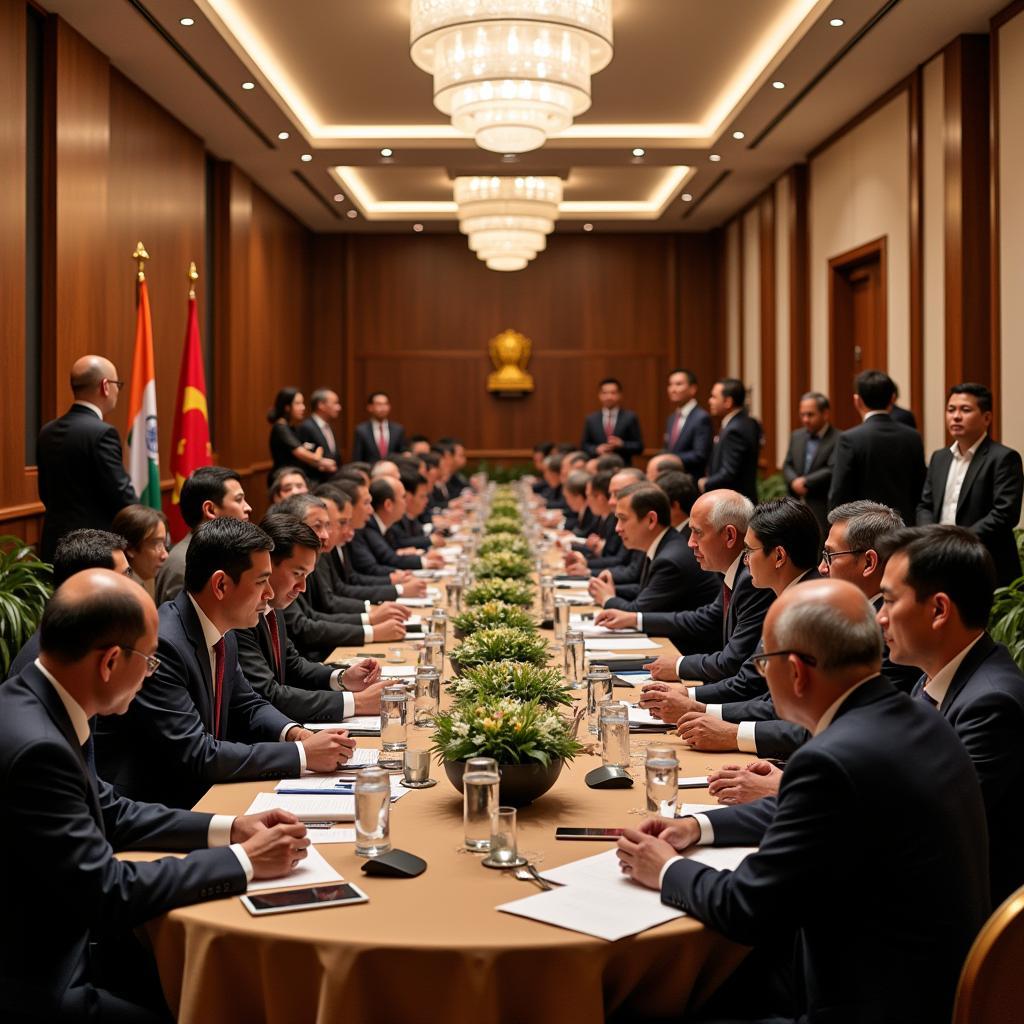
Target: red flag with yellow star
{"type": "Point", "coordinates": [190, 444]}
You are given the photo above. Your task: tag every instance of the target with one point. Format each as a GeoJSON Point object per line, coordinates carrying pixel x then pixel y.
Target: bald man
{"type": "Point", "coordinates": [73, 955]}
{"type": "Point", "coordinates": [82, 479]}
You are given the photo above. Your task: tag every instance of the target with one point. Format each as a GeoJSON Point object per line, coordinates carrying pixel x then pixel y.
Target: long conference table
{"type": "Point", "coordinates": [434, 947]}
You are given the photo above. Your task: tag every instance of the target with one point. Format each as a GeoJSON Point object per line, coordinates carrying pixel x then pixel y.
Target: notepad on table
{"type": "Point", "coordinates": [634, 643]}
{"type": "Point", "coordinates": [641, 720]}
{"type": "Point", "coordinates": [358, 725]}
{"type": "Point", "coordinates": [311, 870]}
{"type": "Point", "coordinates": [307, 806]}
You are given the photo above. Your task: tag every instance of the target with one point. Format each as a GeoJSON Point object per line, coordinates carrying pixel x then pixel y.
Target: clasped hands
{"type": "Point", "coordinates": [697, 728]}
{"type": "Point", "coordinates": [643, 852]}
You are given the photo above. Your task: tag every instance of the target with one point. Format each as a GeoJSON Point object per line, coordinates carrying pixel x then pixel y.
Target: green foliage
{"type": "Point", "coordinates": [492, 614]}
{"type": "Point", "coordinates": [504, 565]}
{"type": "Point", "coordinates": [773, 486]}
{"type": "Point", "coordinates": [1018, 535]}
{"type": "Point", "coordinates": [510, 679]}
{"type": "Point", "coordinates": [509, 730]}
{"type": "Point", "coordinates": [515, 592]}
{"type": "Point", "coordinates": [503, 643]}
{"type": "Point", "coordinates": [502, 474]}
{"type": "Point", "coordinates": [1006, 623]}
{"type": "Point", "coordinates": [25, 588]}
{"type": "Point", "coordinates": [513, 543]}
{"type": "Point", "coordinates": [502, 524]}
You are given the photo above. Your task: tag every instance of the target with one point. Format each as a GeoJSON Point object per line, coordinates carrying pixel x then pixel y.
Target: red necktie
{"type": "Point", "coordinates": [382, 441]}
{"type": "Point", "coordinates": [275, 643]}
{"type": "Point", "coordinates": [726, 598]}
{"type": "Point", "coordinates": [677, 429]}
{"type": "Point", "coordinates": [218, 683]}
{"type": "Point", "coordinates": [607, 424]}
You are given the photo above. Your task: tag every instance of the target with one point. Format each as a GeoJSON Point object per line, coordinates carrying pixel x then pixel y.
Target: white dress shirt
{"type": "Point", "coordinates": [955, 480]}
{"type": "Point", "coordinates": [609, 417]}
{"type": "Point", "coordinates": [727, 419]}
{"type": "Point", "coordinates": [325, 429]}
{"type": "Point", "coordinates": [682, 413]}
{"type": "Point", "coordinates": [212, 635]}
{"type": "Point", "coordinates": [219, 832]}
{"type": "Point", "coordinates": [938, 686]}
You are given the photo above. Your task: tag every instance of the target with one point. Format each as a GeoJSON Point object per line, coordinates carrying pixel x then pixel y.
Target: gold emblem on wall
{"type": "Point", "coordinates": [510, 352]}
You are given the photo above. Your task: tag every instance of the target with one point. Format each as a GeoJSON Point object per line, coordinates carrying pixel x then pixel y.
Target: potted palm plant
{"type": "Point", "coordinates": [25, 587]}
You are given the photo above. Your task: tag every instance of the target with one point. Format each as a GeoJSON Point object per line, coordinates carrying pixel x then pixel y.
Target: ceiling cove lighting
{"type": "Point", "coordinates": [507, 219]}
{"type": "Point", "coordinates": [511, 73]}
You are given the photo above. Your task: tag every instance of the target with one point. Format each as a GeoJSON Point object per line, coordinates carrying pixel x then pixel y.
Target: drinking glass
{"type": "Point", "coordinates": [432, 652]}
{"type": "Point", "coordinates": [373, 808]}
{"type": "Point", "coordinates": [574, 656]}
{"type": "Point", "coordinates": [417, 766]}
{"type": "Point", "coordinates": [562, 607]}
{"type": "Point", "coordinates": [613, 730]}
{"type": "Point", "coordinates": [439, 627]}
{"type": "Point", "coordinates": [395, 655]}
{"type": "Point", "coordinates": [547, 598]}
{"type": "Point", "coordinates": [480, 799]}
{"type": "Point", "coordinates": [427, 699]}
{"type": "Point", "coordinates": [393, 725]}
{"type": "Point", "coordinates": [453, 591]}
{"type": "Point", "coordinates": [662, 769]}
{"type": "Point", "coordinates": [504, 850]}
{"type": "Point", "coordinates": [599, 691]}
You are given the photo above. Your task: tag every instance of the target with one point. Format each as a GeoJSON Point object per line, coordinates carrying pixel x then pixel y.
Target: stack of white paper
{"type": "Point", "coordinates": [307, 807]}
{"type": "Point", "coordinates": [311, 870]}
{"type": "Point", "coordinates": [358, 725]}
{"type": "Point", "coordinates": [398, 671]}
{"type": "Point", "coordinates": [415, 602]}
{"type": "Point", "coordinates": [641, 719]}
{"type": "Point", "coordinates": [325, 836]}
{"type": "Point", "coordinates": [637, 642]}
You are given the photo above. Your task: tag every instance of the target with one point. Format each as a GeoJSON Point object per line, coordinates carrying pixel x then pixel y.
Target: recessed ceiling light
{"type": "Point", "coordinates": [283, 135]}
{"type": "Point", "coordinates": [248, 85]}
{"type": "Point", "coordinates": [639, 152]}
{"type": "Point", "coordinates": [837, 23]}
{"type": "Point", "coordinates": [417, 227]}
{"type": "Point", "coordinates": [351, 214]}
{"type": "Point", "coordinates": [187, 22]}
{"type": "Point", "coordinates": [385, 152]}
{"type": "Point", "coordinates": [686, 197]}
{"type": "Point", "coordinates": [588, 227]}
{"type": "Point", "coordinates": [510, 158]}
{"type": "Point", "coordinates": [339, 198]}
{"type": "Point", "coordinates": [714, 158]}
{"type": "Point", "coordinates": [306, 157]}
{"type": "Point", "coordinates": [778, 85]}
{"type": "Point", "coordinates": [739, 135]}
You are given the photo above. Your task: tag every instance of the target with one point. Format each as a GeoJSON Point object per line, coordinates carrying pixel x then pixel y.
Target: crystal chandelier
{"type": "Point", "coordinates": [507, 219]}
{"type": "Point", "coordinates": [511, 73]}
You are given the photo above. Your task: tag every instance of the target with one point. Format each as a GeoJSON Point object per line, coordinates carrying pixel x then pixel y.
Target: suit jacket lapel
{"type": "Point", "coordinates": [800, 451]}
{"type": "Point", "coordinates": [278, 624]}
{"type": "Point", "coordinates": [973, 469]}
{"type": "Point", "coordinates": [944, 459]}
{"type": "Point", "coordinates": [822, 453]}
{"type": "Point", "coordinates": [981, 650]}
{"type": "Point", "coordinates": [194, 631]}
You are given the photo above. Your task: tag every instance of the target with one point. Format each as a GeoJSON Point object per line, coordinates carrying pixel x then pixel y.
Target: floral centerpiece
{"type": "Point", "coordinates": [529, 741]}
{"type": "Point", "coordinates": [488, 616]}
{"type": "Point", "coordinates": [515, 679]}
{"type": "Point", "coordinates": [503, 643]}
{"type": "Point", "coordinates": [515, 592]}
{"type": "Point", "coordinates": [502, 524]}
{"type": "Point", "coordinates": [512, 542]}
{"type": "Point", "coordinates": [504, 565]}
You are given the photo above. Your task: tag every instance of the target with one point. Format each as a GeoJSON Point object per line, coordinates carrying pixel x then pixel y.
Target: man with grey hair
{"type": "Point", "coordinates": [857, 892]}
{"type": "Point", "coordinates": [812, 450]}
{"type": "Point", "coordinates": [317, 429]}
{"type": "Point", "coordinates": [728, 628]}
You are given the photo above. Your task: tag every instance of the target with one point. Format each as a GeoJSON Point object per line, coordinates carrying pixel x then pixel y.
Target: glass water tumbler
{"type": "Point", "coordinates": [480, 800]}
{"type": "Point", "coordinates": [574, 657]}
{"type": "Point", "coordinates": [547, 598]}
{"type": "Point", "coordinates": [613, 731]}
{"type": "Point", "coordinates": [453, 592]}
{"type": "Point", "coordinates": [394, 710]}
{"type": "Point", "coordinates": [432, 652]}
{"type": "Point", "coordinates": [373, 810]}
{"type": "Point", "coordinates": [562, 607]}
{"type": "Point", "coordinates": [504, 846]}
{"type": "Point", "coordinates": [599, 691]}
{"type": "Point", "coordinates": [662, 769]}
{"type": "Point", "coordinates": [439, 627]}
{"type": "Point", "coordinates": [427, 699]}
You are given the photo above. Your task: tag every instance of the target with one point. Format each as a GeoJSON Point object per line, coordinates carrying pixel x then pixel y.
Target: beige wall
{"type": "Point", "coordinates": [752, 309]}
{"type": "Point", "coordinates": [1011, 221]}
{"type": "Point", "coordinates": [859, 191]}
{"type": "Point", "coordinates": [783, 398]}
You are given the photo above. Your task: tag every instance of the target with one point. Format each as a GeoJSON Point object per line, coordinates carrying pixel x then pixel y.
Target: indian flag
{"type": "Point", "coordinates": [143, 458]}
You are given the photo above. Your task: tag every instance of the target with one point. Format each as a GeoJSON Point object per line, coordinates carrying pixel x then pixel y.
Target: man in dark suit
{"type": "Point", "coordinates": [737, 447]}
{"type": "Point", "coordinates": [370, 549]}
{"type": "Point", "coordinates": [976, 482]}
{"type": "Point", "coordinates": [880, 460]}
{"type": "Point", "coordinates": [807, 467]}
{"type": "Point", "coordinates": [377, 437]}
{"type": "Point", "coordinates": [670, 577]}
{"type": "Point", "coordinates": [938, 589]}
{"type": "Point", "coordinates": [409, 531]}
{"type": "Point", "coordinates": [624, 565]}
{"type": "Point", "coordinates": [77, 551]}
{"type": "Point", "coordinates": [82, 479]}
{"type": "Point", "coordinates": [688, 429]}
{"type": "Point", "coordinates": [72, 955]}
{"type": "Point", "coordinates": [727, 628]}
{"type": "Point", "coordinates": [612, 428]}
{"type": "Point", "coordinates": [318, 428]}
{"type": "Point", "coordinates": [898, 413]}
{"type": "Point", "coordinates": [197, 721]}
{"type": "Point", "coordinates": [876, 815]}
{"type": "Point", "coordinates": [304, 690]}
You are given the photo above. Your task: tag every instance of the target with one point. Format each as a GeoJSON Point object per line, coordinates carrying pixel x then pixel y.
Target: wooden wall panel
{"type": "Point", "coordinates": [422, 309]}
{"type": "Point", "coordinates": [700, 298]}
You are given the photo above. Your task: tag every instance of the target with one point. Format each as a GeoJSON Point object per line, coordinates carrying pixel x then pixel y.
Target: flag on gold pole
{"type": "Point", "coordinates": [143, 457]}
{"type": "Point", "coordinates": [190, 436]}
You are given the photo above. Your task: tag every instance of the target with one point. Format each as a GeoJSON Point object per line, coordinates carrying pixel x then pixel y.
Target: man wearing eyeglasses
{"type": "Point", "coordinates": [873, 857]}
{"type": "Point", "coordinates": [82, 479]}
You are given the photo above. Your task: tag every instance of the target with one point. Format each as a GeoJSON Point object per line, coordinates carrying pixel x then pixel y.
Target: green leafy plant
{"type": "Point", "coordinates": [513, 543]}
{"type": "Point", "coordinates": [491, 615]}
{"type": "Point", "coordinates": [502, 524]}
{"type": "Point", "coordinates": [504, 565]}
{"type": "Point", "coordinates": [502, 643]}
{"type": "Point", "coordinates": [1006, 622]}
{"type": "Point", "coordinates": [25, 587]}
{"type": "Point", "coordinates": [515, 592]}
{"type": "Point", "coordinates": [503, 474]}
{"type": "Point", "coordinates": [773, 486]}
{"type": "Point", "coordinates": [510, 731]}
{"type": "Point", "coordinates": [510, 679]}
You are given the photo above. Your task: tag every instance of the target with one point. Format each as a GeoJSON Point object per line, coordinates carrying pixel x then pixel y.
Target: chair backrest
{"type": "Point", "coordinates": [991, 989]}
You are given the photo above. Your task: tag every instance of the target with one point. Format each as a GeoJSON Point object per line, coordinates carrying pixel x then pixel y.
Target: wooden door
{"type": "Point", "coordinates": [857, 323]}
